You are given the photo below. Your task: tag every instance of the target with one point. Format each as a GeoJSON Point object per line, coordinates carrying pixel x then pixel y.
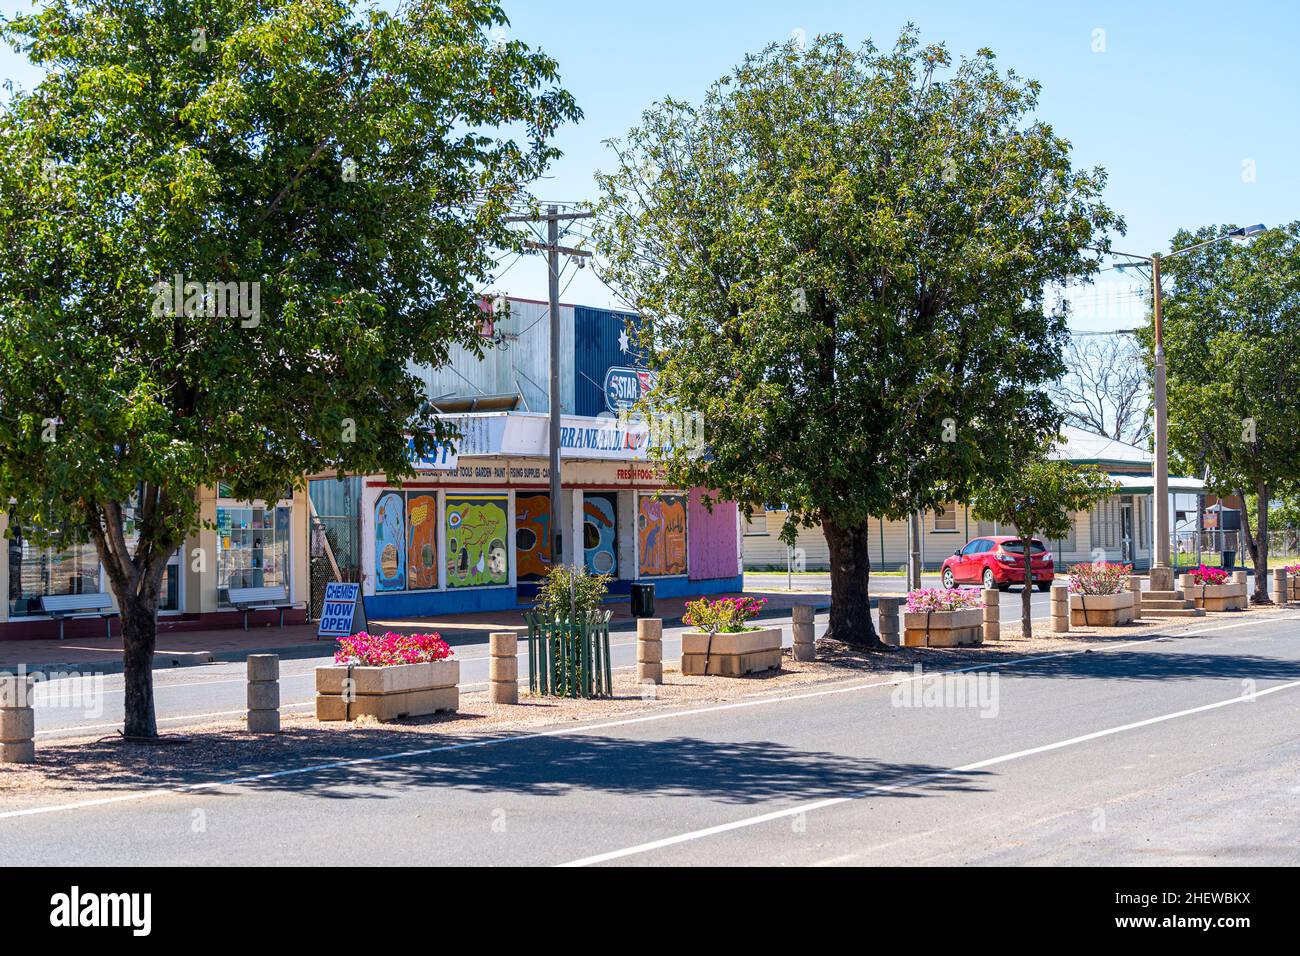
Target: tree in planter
{"type": "Point", "coordinates": [1039, 498]}
{"type": "Point", "coordinates": [225, 228]}
{"type": "Point", "coordinates": [841, 258]}
{"type": "Point", "coordinates": [1232, 352]}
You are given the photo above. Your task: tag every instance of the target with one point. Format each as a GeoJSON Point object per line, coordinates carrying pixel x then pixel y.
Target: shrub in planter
{"type": "Point", "coordinates": [568, 635]}
{"type": "Point", "coordinates": [725, 643]}
{"type": "Point", "coordinates": [936, 617]}
{"type": "Point", "coordinates": [1213, 589]}
{"type": "Point", "coordinates": [387, 676]}
{"type": "Point", "coordinates": [1099, 595]}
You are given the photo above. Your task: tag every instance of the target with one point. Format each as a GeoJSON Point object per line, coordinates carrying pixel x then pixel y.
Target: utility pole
{"type": "Point", "coordinates": [914, 551]}
{"type": "Point", "coordinates": [1162, 578]}
{"type": "Point", "coordinates": [553, 249]}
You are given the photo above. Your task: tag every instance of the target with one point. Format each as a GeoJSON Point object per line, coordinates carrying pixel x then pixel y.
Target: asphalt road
{"type": "Point", "coordinates": [1180, 750]}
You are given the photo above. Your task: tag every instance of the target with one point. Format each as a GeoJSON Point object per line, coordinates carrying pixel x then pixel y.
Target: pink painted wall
{"type": "Point", "coordinates": [711, 538]}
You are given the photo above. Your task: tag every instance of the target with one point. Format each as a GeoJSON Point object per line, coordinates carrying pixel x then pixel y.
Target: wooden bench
{"type": "Point", "coordinates": [64, 606]}
{"type": "Point", "coordinates": [261, 599]}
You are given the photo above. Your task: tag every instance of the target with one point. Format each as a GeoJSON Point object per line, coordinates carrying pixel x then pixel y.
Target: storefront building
{"type": "Point", "coordinates": [471, 531]}
{"type": "Point", "coordinates": [248, 544]}
{"type": "Point", "coordinates": [1119, 528]}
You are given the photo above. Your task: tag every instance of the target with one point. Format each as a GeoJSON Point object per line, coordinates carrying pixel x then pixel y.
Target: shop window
{"type": "Point", "coordinates": [757, 523]}
{"type": "Point", "coordinates": [600, 532]}
{"type": "Point", "coordinates": [477, 527]}
{"type": "Point", "coordinates": [661, 535]}
{"type": "Point", "coordinates": [532, 535]}
{"type": "Point", "coordinates": [252, 548]}
{"type": "Point", "coordinates": [35, 572]}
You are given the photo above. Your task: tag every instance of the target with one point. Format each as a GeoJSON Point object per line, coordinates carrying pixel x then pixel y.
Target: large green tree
{"type": "Point", "coordinates": [1040, 498]}
{"type": "Point", "coordinates": [1232, 352]}
{"type": "Point", "coordinates": [842, 256]}
{"type": "Point", "coordinates": [325, 186]}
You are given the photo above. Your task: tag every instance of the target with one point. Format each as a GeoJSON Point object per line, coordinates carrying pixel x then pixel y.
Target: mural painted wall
{"type": "Point", "coordinates": [421, 542]}
{"type": "Point", "coordinates": [599, 532]}
{"type": "Point", "coordinates": [390, 542]}
{"type": "Point", "coordinates": [661, 533]}
{"type": "Point", "coordinates": [477, 527]}
{"type": "Point", "coordinates": [713, 538]}
{"type": "Point", "coordinates": [532, 535]}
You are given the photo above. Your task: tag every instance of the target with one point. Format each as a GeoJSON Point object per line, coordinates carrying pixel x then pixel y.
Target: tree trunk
{"type": "Point", "coordinates": [1026, 596]}
{"type": "Point", "coordinates": [139, 638]}
{"type": "Point", "coordinates": [851, 584]}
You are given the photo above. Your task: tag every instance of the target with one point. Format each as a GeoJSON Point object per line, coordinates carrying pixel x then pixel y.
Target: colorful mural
{"type": "Point", "coordinates": [421, 542]}
{"type": "Point", "coordinates": [476, 541]}
{"type": "Point", "coordinates": [532, 535]}
{"type": "Point", "coordinates": [599, 532]}
{"type": "Point", "coordinates": [390, 542]}
{"type": "Point", "coordinates": [661, 534]}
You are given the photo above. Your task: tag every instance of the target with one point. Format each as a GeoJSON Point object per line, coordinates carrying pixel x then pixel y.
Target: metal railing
{"type": "Point", "coordinates": [569, 658]}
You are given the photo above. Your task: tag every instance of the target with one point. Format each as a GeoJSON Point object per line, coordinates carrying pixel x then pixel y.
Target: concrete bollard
{"type": "Point", "coordinates": [503, 667]}
{"type": "Point", "coordinates": [1060, 608]}
{"type": "Point", "coordinates": [263, 693]}
{"type": "Point", "coordinates": [1280, 587]}
{"type": "Point", "coordinates": [992, 614]}
{"type": "Point", "coordinates": [17, 720]}
{"type": "Point", "coordinates": [1239, 579]}
{"type": "Point", "coordinates": [649, 650]}
{"type": "Point", "coordinates": [805, 641]}
{"type": "Point", "coordinates": [888, 610]}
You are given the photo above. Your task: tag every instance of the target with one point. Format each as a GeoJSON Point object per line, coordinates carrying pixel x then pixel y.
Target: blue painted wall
{"type": "Point", "coordinates": [597, 348]}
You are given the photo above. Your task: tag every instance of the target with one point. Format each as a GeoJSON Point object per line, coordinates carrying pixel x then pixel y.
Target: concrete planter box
{"type": "Point", "coordinates": [943, 628]}
{"type": "Point", "coordinates": [1293, 587]}
{"type": "Point", "coordinates": [1213, 597]}
{"type": "Point", "coordinates": [387, 693]}
{"type": "Point", "coordinates": [1101, 610]}
{"type": "Point", "coordinates": [731, 654]}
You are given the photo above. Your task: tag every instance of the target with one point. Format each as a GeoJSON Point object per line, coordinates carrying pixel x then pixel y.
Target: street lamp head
{"type": "Point", "coordinates": [1245, 232]}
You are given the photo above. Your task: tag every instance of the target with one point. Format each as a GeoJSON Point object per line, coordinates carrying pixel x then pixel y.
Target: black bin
{"type": "Point", "coordinates": [1229, 560]}
{"type": "Point", "coordinates": [643, 600]}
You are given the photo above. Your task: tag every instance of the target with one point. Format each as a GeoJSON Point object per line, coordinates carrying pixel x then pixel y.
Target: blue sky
{"type": "Point", "coordinates": [1180, 96]}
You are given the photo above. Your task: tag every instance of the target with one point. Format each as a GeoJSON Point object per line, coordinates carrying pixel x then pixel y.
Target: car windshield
{"type": "Point", "coordinates": [1017, 547]}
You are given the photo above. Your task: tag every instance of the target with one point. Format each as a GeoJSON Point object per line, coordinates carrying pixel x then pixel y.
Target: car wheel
{"type": "Point", "coordinates": [1044, 585]}
{"type": "Point", "coordinates": [948, 581]}
{"type": "Point", "coordinates": [989, 581]}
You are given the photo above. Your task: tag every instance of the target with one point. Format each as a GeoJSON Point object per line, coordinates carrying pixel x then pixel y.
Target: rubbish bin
{"type": "Point", "coordinates": [1229, 560]}
{"type": "Point", "coordinates": [643, 600]}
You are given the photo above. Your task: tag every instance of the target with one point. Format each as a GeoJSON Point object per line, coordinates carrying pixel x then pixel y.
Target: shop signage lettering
{"type": "Point", "coordinates": [609, 438]}
{"type": "Point", "coordinates": [624, 387]}
{"type": "Point", "coordinates": [338, 609]}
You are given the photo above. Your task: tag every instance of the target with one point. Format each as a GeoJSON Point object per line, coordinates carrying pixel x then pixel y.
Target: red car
{"type": "Point", "coordinates": [998, 562]}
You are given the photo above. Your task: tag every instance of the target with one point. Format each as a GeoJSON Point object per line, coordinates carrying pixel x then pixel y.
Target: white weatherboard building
{"type": "Point", "coordinates": [1118, 529]}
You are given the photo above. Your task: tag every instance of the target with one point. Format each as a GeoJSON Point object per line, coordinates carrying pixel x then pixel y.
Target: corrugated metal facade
{"type": "Point", "coordinates": [518, 363]}
{"type": "Point", "coordinates": [599, 345]}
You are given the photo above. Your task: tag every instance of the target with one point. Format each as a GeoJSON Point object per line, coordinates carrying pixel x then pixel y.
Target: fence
{"type": "Point", "coordinates": [568, 658]}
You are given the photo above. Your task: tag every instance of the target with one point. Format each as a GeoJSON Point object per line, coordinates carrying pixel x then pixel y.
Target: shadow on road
{"type": "Point", "coordinates": [735, 773]}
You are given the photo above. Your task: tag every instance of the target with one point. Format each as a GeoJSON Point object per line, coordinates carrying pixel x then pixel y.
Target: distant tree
{"type": "Point", "coordinates": [1232, 351]}
{"type": "Point", "coordinates": [1106, 389]}
{"type": "Point", "coordinates": [329, 189]}
{"type": "Point", "coordinates": [1040, 498]}
{"type": "Point", "coordinates": [841, 258]}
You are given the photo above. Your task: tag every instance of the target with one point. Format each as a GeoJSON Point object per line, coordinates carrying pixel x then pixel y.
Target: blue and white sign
{"type": "Point", "coordinates": [443, 457]}
{"type": "Point", "coordinates": [624, 386]}
{"type": "Point", "coordinates": [339, 609]}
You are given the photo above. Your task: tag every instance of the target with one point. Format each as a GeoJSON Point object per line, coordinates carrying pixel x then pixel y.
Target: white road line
{"type": "Point", "coordinates": [811, 806]}
{"type": "Point", "coordinates": [560, 731]}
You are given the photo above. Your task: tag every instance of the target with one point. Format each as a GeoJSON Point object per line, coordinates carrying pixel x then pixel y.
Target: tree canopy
{"type": "Point", "coordinates": [1232, 352]}
{"type": "Point", "coordinates": [842, 257]}
{"type": "Point", "coordinates": [226, 228]}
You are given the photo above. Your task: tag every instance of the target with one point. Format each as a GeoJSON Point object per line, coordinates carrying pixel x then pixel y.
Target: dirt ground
{"type": "Point", "coordinates": [76, 769]}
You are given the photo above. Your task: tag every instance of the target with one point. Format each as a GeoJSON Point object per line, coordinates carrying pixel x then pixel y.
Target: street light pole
{"type": "Point", "coordinates": [1162, 575]}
